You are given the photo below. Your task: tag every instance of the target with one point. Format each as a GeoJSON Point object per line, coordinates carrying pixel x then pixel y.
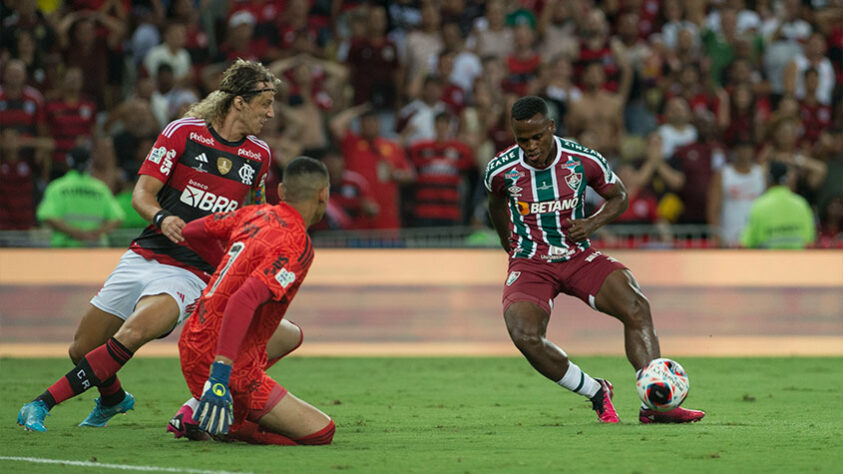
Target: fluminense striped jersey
{"type": "Point", "coordinates": [541, 199]}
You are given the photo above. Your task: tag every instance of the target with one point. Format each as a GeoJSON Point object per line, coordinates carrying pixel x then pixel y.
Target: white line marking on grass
{"type": "Point", "coordinates": [122, 467]}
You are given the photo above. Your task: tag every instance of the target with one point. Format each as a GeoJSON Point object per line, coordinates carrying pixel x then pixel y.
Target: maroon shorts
{"type": "Point", "coordinates": [540, 282]}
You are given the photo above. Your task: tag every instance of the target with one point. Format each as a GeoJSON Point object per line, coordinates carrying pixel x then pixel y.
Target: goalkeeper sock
{"type": "Point", "coordinates": [323, 436]}
{"type": "Point", "coordinates": [578, 381]}
{"type": "Point", "coordinates": [252, 433]}
{"type": "Point", "coordinates": [95, 368]}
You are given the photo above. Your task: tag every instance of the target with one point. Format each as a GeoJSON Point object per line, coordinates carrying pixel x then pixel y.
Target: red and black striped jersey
{"type": "Point", "coordinates": [23, 113]}
{"type": "Point", "coordinates": [68, 121]}
{"type": "Point", "coordinates": [202, 174]}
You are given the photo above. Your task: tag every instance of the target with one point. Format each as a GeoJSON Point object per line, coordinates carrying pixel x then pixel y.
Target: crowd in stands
{"type": "Point", "coordinates": [407, 100]}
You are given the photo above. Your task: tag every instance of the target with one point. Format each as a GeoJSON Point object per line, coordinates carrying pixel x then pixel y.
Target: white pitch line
{"type": "Point", "coordinates": [122, 467]}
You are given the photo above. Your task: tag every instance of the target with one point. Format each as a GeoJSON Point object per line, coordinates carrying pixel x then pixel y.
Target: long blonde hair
{"type": "Point", "coordinates": [241, 78]}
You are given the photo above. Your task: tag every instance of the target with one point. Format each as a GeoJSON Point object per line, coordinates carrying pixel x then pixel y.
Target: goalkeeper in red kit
{"type": "Point", "coordinates": [262, 254]}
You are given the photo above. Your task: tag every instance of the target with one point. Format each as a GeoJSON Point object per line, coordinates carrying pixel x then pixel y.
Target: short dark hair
{"type": "Point", "coordinates": [527, 107]}
{"type": "Point", "coordinates": [778, 172]}
{"type": "Point", "coordinates": [303, 177]}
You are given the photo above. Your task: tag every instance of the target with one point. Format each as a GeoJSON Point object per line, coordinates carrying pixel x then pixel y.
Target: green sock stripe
{"type": "Point", "coordinates": [582, 381]}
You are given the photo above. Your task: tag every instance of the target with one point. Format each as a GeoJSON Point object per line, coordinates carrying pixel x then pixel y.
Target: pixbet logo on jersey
{"type": "Point", "coordinates": [206, 200]}
{"type": "Point", "coordinates": [525, 208]}
{"type": "Point", "coordinates": [248, 154]}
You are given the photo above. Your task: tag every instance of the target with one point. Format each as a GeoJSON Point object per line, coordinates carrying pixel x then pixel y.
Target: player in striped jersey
{"type": "Point", "coordinates": [204, 163]}
{"type": "Point", "coordinates": [536, 190]}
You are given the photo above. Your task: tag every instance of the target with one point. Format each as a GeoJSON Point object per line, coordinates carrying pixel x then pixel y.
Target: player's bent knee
{"type": "Point", "coordinates": [323, 436]}
{"type": "Point", "coordinates": [525, 339]}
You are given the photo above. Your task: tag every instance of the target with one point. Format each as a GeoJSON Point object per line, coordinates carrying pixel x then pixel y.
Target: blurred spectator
{"type": "Point", "coordinates": [815, 115]}
{"type": "Point", "coordinates": [373, 64]}
{"type": "Point", "coordinates": [300, 32]}
{"type": "Point", "coordinates": [807, 173]}
{"type": "Point", "coordinates": [477, 121]}
{"type": "Point", "coordinates": [380, 161]}
{"type": "Point", "coordinates": [466, 64]}
{"type": "Point", "coordinates": [831, 224]}
{"type": "Point", "coordinates": [813, 56]}
{"type": "Point", "coordinates": [724, 44]}
{"type": "Point", "coordinates": [556, 86]}
{"type": "Point", "coordinates": [674, 22]}
{"type": "Point", "coordinates": [103, 164]}
{"type": "Point", "coordinates": [70, 119]}
{"type": "Point", "coordinates": [22, 112]}
{"type": "Point", "coordinates": [423, 43]}
{"type": "Point", "coordinates": [830, 151]}
{"type": "Point", "coordinates": [313, 85]}
{"type": "Point", "coordinates": [78, 208]}
{"type": "Point", "coordinates": [416, 119]}
{"type": "Point", "coordinates": [643, 204]}
{"type": "Point", "coordinates": [596, 48]}
{"type": "Point", "coordinates": [522, 65]}
{"type": "Point", "coordinates": [743, 116]}
{"type": "Point", "coordinates": [352, 203]}
{"type": "Point", "coordinates": [198, 42]}
{"type": "Point", "coordinates": [635, 49]}
{"type": "Point", "coordinates": [490, 35]}
{"type": "Point", "coordinates": [27, 16]}
{"type": "Point", "coordinates": [239, 40]}
{"type": "Point", "coordinates": [746, 19]}
{"type": "Point", "coordinates": [171, 52]}
{"type": "Point", "coordinates": [453, 95]}
{"type": "Point", "coordinates": [39, 65]}
{"type": "Point", "coordinates": [77, 32]}
{"type": "Point", "coordinates": [732, 191]}
{"type": "Point", "coordinates": [598, 110]}
{"type": "Point", "coordinates": [131, 124]}
{"type": "Point", "coordinates": [779, 219]}
{"type": "Point", "coordinates": [445, 173]}
{"type": "Point", "coordinates": [557, 30]}
{"type": "Point", "coordinates": [677, 131]}
{"type": "Point", "coordinates": [17, 194]}
{"type": "Point", "coordinates": [169, 98]}
{"type": "Point", "coordinates": [783, 34]}
{"type": "Point", "coordinates": [694, 89]}
{"type": "Point", "coordinates": [696, 162]}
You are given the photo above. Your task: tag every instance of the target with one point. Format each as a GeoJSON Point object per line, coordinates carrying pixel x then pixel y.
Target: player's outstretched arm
{"type": "Point", "coordinates": [499, 215]}
{"type": "Point", "coordinates": [615, 205]}
{"type": "Point", "coordinates": [204, 244]}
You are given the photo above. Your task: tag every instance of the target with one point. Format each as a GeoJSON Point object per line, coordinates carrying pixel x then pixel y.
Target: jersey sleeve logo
{"type": "Point", "coordinates": [285, 277]}
{"type": "Point", "coordinates": [224, 165]}
{"type": "Point", "coordinates": [156, 154]}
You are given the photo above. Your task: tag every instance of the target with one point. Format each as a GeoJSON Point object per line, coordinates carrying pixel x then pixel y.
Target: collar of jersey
{"type": "Point", "coordinates": [222, 140]}
{"type": "Point", "coordinates": [551, 165]}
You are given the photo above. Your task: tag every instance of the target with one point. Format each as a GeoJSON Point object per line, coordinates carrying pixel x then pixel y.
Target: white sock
{"type": "Point", "coordinates": [578, 381]}
{"type": "Point", "coordinates": [192, 403]}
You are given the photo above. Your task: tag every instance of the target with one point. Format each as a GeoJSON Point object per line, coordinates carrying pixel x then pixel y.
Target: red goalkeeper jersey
{"type": "Point", "coordinates": [267, 242]}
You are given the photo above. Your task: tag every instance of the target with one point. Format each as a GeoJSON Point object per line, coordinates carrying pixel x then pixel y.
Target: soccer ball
{"type": "Point", "coordinates": [662, 385]}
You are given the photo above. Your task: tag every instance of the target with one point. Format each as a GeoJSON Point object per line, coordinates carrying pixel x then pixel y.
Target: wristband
{"type": "Point", "coordinates": [220, 372]}
{"type": "Point", "coordinates": [159, 216]}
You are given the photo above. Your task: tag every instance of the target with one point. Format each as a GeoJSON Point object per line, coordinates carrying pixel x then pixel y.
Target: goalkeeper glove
{"type": "Point", "coordinates": [216, 406]}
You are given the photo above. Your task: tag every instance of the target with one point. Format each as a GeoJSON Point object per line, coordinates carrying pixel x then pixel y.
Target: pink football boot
{"type": "Point", "coordinates": [601, 402]}
{"type": "Point", "coordinates": [677, 415]}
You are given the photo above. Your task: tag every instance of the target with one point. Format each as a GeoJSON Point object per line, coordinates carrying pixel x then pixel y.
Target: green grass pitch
{"type": "Point", "coordinates": [458, 415]}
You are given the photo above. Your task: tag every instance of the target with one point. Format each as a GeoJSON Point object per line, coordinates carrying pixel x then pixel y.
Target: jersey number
{"type": "Point", "coordinates": [233, 253]}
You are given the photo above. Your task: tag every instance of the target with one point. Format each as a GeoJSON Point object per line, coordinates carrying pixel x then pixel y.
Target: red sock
{"type": "Point", "coordinates": [95, 368]}
{"type": "Point", "coordinates": [323, 436]}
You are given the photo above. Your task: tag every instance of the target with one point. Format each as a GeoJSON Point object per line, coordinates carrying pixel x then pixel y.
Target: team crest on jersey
{"type": "Point", "coordinates": [513, 175]}
{"type": "Point", "coordinates": [512, 277]}
{"type": "Point", "coordinates": [574, 180]}
{"type": "Point", "coordinates": [247, 174]}
{"type": "Point", "coordinates": [224, 165]}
